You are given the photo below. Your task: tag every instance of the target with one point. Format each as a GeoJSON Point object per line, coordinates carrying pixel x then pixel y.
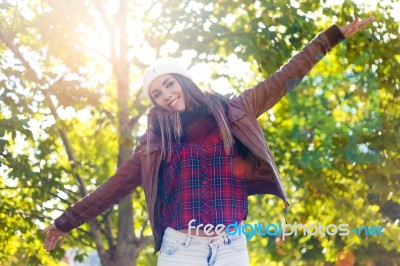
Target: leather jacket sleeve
{"type": "Point", "coordinates": [125, 180]}
{"type": "Point", "coordinates": [267, 93]}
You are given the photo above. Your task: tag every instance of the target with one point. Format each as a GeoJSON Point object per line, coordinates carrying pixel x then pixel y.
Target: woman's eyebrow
{"type": "Point", "coordinates": [165, 81]}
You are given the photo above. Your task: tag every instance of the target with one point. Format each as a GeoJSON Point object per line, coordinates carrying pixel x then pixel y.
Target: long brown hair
{"type": "Point", "coordinates": [169, 122]}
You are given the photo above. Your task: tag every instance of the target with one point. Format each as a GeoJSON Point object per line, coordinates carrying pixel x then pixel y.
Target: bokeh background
{"type": "Point", "coordinates": [72, 109]}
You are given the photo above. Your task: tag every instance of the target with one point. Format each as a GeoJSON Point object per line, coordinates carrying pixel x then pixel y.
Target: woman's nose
{"type": "Point", "coordinates": [167, 96]}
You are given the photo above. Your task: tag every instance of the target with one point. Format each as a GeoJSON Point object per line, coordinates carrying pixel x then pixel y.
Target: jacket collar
{"type": "Point", "coordinates": [234, 114]}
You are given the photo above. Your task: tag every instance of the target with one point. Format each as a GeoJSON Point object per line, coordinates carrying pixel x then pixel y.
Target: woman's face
{"type": "Point", "coordinates": [167, 93]}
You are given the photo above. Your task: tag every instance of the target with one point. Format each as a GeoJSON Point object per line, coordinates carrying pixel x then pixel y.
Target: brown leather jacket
{"type": "Point", "coordinates": [242, 115]}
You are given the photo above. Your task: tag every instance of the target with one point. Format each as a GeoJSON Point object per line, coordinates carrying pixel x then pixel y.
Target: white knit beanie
{"type": "Point", "coordinates": [161, 67]}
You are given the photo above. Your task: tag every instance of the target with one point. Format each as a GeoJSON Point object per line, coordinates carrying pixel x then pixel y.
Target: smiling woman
{"type": "Point", "coordinates": [203, 154]}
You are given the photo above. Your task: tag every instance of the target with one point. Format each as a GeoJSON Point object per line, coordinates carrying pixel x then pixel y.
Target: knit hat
{"type": "Point", "coordinates": [161, 67]}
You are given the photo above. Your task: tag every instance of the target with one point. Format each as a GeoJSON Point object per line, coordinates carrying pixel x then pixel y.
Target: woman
{"type": "Point", "coordinates": [202, 155]}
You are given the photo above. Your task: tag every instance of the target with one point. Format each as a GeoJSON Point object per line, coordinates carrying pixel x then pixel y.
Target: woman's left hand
{"type": "Point", "coordinates": [355, 26]}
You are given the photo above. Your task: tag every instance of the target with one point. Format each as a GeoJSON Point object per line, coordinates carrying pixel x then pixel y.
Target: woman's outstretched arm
{"type": "Point", "coordinates": [125, 180]}
{"type": "Point", "coordinates": [267, 93]}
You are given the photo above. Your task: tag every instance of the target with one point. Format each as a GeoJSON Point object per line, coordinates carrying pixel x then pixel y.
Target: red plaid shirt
{"type": "Point", "coordinates": [202, 182]}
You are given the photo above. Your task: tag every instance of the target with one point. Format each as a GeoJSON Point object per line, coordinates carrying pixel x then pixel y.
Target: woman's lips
{"type": "Point", "coordinates": [174, 102]}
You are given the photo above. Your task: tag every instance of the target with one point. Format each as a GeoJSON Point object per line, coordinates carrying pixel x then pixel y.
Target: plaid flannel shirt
{"type": "Point", "coordinates": [202, 182]}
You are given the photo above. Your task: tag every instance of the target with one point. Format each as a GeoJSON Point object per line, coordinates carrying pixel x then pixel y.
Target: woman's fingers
{"type": "Point", "coordinates": [61, 241]}
{"type": "Point", "coordinates": [47, 243]}
{"type": "Point", "coordinates": [360, 24]}
{"type": "Point", "coordinates": [365, 22]}
{"type": "Point", "coordinates": [356, 26]}
{"type": "Point", "coordinates": [53, 235]}
{"type": "Point", "coordinates": [355, 21]}
{"type": "Point", "coordinates": [53, 241]}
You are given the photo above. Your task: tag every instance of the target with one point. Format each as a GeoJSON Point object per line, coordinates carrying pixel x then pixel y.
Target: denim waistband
{"type": "Point", "coordinates": [183, 237]}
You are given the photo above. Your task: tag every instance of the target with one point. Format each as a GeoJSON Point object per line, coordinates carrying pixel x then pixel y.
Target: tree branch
{"type": "Point", "coordinates": [61, 199]}
{"type": "Point", "coordinates": [59, 123]}
{"type": "Point", "coordinates": [83, 231]}
{"type": "Point", "coordinates": [134, 120]}
{"type": "Point", "coordinates": [81, 240]}
{"type": "Point", "coordinates": [95, 233]}
{"type": "Point", "coordinates": [169, 30]}
{"type": "Point", "coordinates": [36, 187]}
{"type": "Point", "coordinates": [110, 30]}
{"type": "Point", "coordinates": [107, 229]}
{"type": "Point", "coordinates": [143, 242]}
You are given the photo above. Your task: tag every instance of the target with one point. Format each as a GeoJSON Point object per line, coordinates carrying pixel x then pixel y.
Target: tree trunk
{"type": "Point", "coordinates": [125, 250]}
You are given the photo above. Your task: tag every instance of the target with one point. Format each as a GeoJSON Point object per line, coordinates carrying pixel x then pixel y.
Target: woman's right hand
{"type": "Point", "coordinates": [53, 235]}
{"type": "Point", "coordinates": [355, 26]}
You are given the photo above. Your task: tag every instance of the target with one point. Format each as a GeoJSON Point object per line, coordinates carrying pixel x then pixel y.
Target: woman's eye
{"type": "Point", "coordinates": [170, 84]}
{"type": "Point", "coordinates": [156, 95]}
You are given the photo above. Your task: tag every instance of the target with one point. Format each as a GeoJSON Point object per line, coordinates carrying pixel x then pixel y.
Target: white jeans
{"type": "Point", "coordinates": [178, 248]}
